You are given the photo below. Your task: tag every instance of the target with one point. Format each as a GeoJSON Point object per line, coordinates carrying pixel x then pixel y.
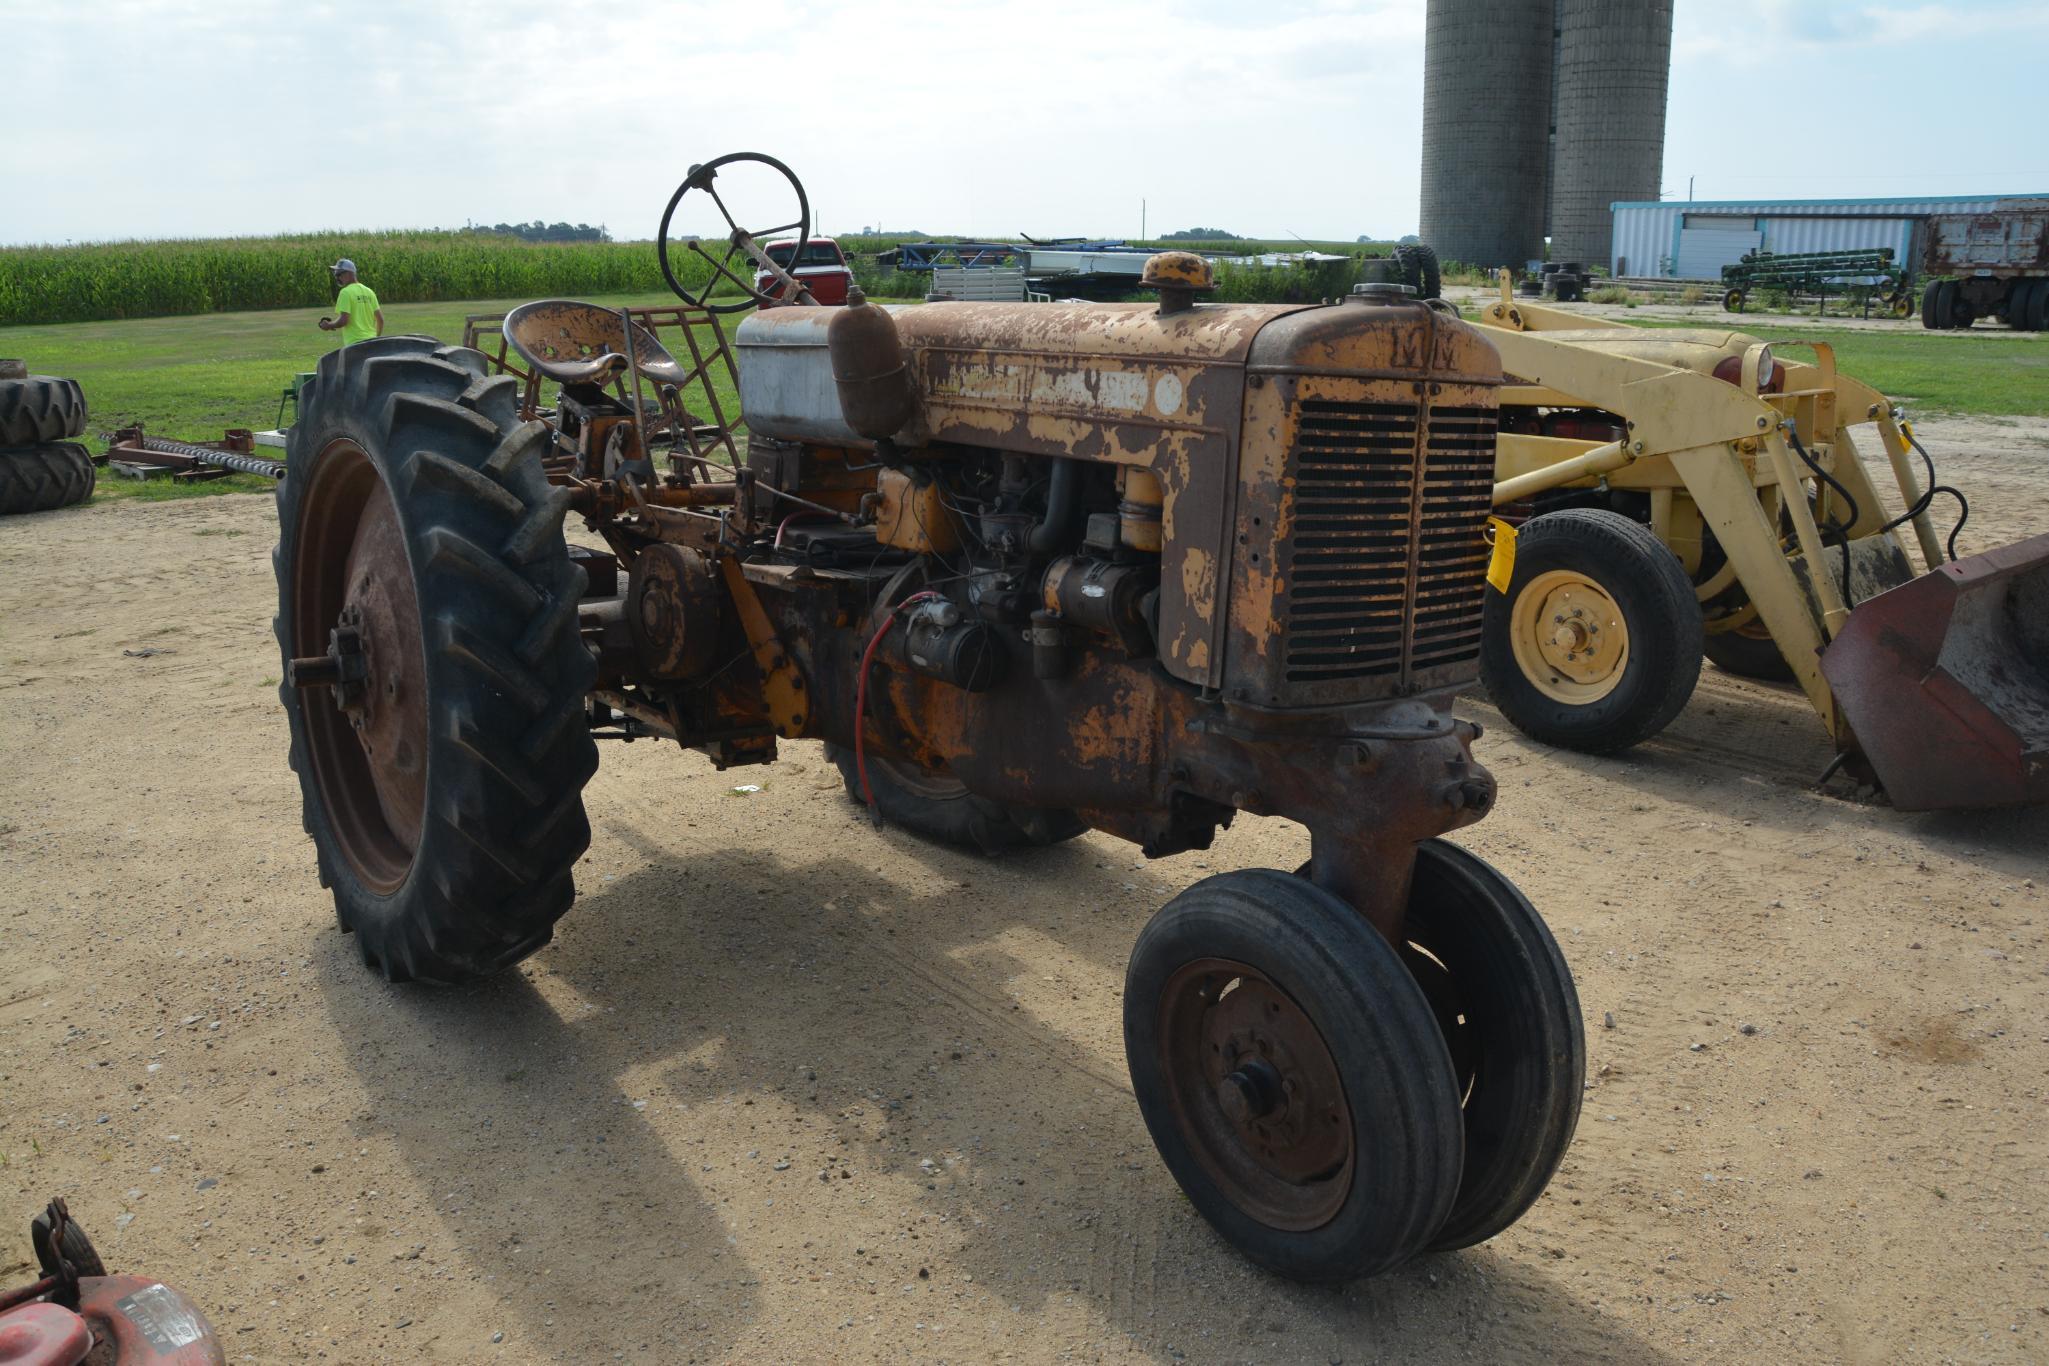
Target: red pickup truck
{"type": "Point", "coordinates": [821, 267]}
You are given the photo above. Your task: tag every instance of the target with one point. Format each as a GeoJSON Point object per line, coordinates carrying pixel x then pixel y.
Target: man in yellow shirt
{"type": "Point", "coordinates": [358, 317]}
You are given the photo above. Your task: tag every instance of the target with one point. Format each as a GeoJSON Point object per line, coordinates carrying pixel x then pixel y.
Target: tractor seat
{"type": "Point", "coordinates": [578, 343]}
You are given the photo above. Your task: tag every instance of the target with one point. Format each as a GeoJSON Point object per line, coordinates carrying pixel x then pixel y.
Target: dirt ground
{"type": "Point", "coordinates": [790, 1088]}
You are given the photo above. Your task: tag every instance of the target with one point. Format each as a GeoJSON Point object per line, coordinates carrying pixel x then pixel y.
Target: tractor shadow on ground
{"type": "Point", "coordinates": [877, 1022]}
{"type": "Point", "coordinates": [513, 1118]}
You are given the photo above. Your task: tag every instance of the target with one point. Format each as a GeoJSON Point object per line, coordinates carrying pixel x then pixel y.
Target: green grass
{"type": "Point", "coordinates": [192, 378]}
{"type": "Point", "coordinates": [1983, 373]}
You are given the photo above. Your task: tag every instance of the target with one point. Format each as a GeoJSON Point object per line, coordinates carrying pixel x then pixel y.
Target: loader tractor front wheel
{"type": "Point", "coordinates": [1596, 645]}
{"type": "Point", "coordinates": [941, 808]}
{"type": "Point", "coordinates": [434, 676]}
{"type": "Point", "coordinates": [1293, 1076]}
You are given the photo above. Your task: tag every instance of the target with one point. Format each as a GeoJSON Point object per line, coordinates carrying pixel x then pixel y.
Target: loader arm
{"type": "Point", "coordinates": [1713, 433]}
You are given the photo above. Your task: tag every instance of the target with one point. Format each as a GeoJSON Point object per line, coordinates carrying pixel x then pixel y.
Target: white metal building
{"type": "Point", "coordinates": [1694, 240]}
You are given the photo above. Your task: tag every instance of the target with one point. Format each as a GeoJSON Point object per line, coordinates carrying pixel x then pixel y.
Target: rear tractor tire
{"type": "Point", "coordinates": [35, 409]}
{"type": "Point", "coordinates": [40, 478]}
{"type": "Point", "coordinates": [434, 674]}
{"type": "Point", "coordinates": [942, 809]}
{"type": "Point", "coordinates": [1293, 1076]}
{"type": "Point", "coordinates": [1420, 265]}
{"type": "Point", "coordinates": [1597, 643]}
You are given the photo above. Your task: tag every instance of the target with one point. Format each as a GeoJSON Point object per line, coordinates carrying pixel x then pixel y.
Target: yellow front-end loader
{"type": "Point", "coordinates": [1674, 493]}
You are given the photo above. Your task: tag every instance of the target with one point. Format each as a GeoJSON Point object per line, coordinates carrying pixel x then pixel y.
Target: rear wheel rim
{"type": "Point", "coordinates": [351, 574]}
{"type": "Point", "coordinates": [1255, 1090]}
{"type": "Point", "coordinates": [1569, 637]}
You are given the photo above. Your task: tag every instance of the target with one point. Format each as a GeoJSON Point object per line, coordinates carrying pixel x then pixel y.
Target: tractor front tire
{"type": "Point", "coordinates": [40, 408]}
{"type": "Point", "coordinates": [434, 672]}
{"type": "Point", "coordinates": [39, 478]}
{"type": "Point", "coordinates": [1596, 645]}
{"type": "Point", "coordinates": [943, 809]}
{"type": "Point", "coordinates": [1293, 1076]}
{"type": "Point", "coordinates": [1505, 1003]}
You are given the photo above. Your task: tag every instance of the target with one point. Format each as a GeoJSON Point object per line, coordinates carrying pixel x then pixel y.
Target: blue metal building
{"type": "Point", "coordinates": [1694, 240]}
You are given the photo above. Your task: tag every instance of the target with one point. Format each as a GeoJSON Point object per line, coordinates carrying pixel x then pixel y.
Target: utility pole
{"type": "Point", "coordinates": [1689, 189]}
{"type": "Point", "coordinates": [1141, 220]}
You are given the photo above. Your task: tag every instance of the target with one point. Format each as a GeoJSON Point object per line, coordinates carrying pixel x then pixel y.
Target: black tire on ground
{"type": "Point", "coordinates": [1934, 313]}
{"type": "Point", "coordinates": [1419, 263]}
{"type": "Point", "coordinates": [40, 408]}
{"type": "Point", "coordinates": [1959, 313]}
{"type": "Point", "coordinates": [450, 857]}
{"type": "Point", "coordinates": [76, 1247]}
{"type": "Point", "coordinates": [2025, 305]}
{"type": "Point", "coordinates": [1733, 300]}
{"type": "Point", "coordinates": [1505, 1003]}
{"type": "Point", "coordinates": [943, 809]}
{"type": "Point", "coordinates": [1375, 1070]}
{"type": "Point", "coordinates": [39, 478]}
{"type": "Point", "coordinates": [1649, 675]}
{"type": "Point", "coordinates": [1748, 651]}
{"type": "Point", "coordinates": [1570, 288]}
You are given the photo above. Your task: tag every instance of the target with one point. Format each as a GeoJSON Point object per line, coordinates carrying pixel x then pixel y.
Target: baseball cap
{"type": "Point", "coordinates": [345, 264]}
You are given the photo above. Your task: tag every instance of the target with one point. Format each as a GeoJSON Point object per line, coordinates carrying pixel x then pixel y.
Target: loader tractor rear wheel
{"type": "Point", "coordinates": [39, 478]}
{"type": "Point", "coordinates": [434, 674]}
{"type": "Point", "coordinates": [1293, 1076]}
{"type": "Point", "coordinates": [1596, 645]}
{"type": "Point", "coordinates": [941, 808]}
{"type": "Point", "coordinates": [1748, 651]}
{"type": "Point", "coordinates": [1505, 1003]}
{"type": "Point", "coordinates": [39, 408]}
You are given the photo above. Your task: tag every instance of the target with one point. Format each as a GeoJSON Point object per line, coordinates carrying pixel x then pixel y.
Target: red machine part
{"type": "Point", "coordinates": [43, 1334]}
{"type": "Point", "coordinates": [1945, 681]}
{"type": "Point", "coordinates": [120, 1321]}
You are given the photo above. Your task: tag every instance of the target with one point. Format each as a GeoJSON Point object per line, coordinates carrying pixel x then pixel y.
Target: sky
{"type": "Point", "coordinates": [1269, 118]}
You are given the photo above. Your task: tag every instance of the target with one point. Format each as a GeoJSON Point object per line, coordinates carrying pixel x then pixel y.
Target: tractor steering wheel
{"type": "Point", "coordinates": [744, 246]}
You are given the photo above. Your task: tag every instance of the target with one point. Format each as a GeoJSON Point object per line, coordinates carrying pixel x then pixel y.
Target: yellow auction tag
{"type": "Point", "coordinates": [1501, 566]}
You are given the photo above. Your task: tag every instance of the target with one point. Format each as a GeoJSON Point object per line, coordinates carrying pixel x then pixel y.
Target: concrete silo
{"type": "Point", "coordinates": [1614, 59]}
{"type": "Point", "coordinates": [1486, 116]}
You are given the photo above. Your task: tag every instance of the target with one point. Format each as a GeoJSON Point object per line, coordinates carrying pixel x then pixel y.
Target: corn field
{"type": "Point", "coordinates": [165, 279]}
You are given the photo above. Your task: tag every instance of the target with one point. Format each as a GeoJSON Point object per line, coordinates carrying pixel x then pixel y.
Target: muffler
{"type": "Point", "coordinates": [1945, 682]}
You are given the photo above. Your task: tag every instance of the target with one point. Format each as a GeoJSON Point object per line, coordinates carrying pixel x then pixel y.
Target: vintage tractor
{"type": "Point", "coordinates": [1026, 570]}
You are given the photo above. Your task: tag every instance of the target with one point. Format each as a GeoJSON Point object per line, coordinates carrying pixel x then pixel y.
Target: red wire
{"type": "Point", "coordinates": [861, 693]}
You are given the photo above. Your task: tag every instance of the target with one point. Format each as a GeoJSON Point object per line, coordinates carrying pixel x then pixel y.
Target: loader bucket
{"type": "Point", "coordinates": [1945, 682]}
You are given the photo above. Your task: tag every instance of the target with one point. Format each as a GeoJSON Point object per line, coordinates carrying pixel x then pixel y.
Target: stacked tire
{"type": "Point", "coordinates": [1565, 281]}
{"type": "Point", "coordinates": [41, 466]}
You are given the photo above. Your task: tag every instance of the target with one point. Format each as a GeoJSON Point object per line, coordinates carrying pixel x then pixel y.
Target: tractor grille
{"type": "Point", "coordinates": [1387, 567]}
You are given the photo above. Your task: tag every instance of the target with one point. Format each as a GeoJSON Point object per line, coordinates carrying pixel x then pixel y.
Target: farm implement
{"type": "Point", "coordinates": [1681, 492]}
{"type": "Point", "coordinates": [1026, 570]}
{"type": "Point", "coordinates": [1870, 275]}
